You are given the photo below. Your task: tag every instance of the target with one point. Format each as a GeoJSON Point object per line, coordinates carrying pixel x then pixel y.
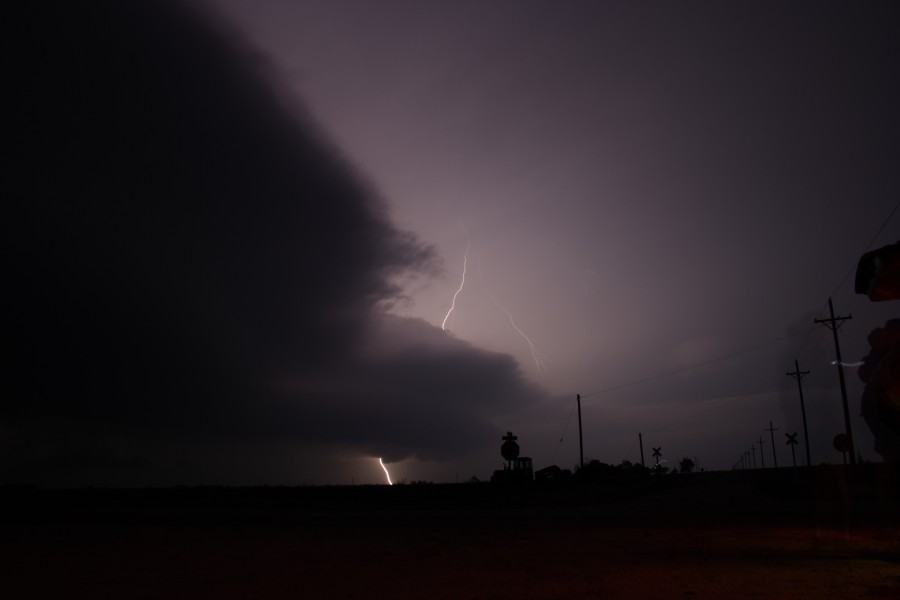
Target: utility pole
{"type": "Point", "coordinates": [799, 375]}
{"type": "Point", "coordinates": [762, 460]}
{"type": "Point", "coordinates": [641, 441]}
{"type": "Point", "coordinates": [753, 450]}
{"type": "Point", "coordinates": [772, 431]}
{"type": "Point", "coordinates": [833, 323]}
{"type": "Point", "coordinates": [580, 440]}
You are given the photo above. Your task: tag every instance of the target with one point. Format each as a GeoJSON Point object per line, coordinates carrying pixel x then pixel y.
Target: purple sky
{"type": "Point", "coordinates": [642, 187]}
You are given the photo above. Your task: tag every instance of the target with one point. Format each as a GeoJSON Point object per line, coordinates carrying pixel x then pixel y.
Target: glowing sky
{"type": "Point", "coordinates": [645, 186]}
{"type": "Point", "coordinates": [635, 187]}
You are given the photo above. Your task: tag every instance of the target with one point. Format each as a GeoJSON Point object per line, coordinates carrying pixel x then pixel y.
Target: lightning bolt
{"type": "Point", "coordinates": [386, 474]}
{"type": "Point", "coordinates": [461, 284]}
{"type": "Point", "coordinates": [535, 353]}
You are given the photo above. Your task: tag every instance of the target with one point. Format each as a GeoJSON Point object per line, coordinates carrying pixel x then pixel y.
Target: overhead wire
{"type": "Point", "coordinates": [724, 402]}
{"type": "Point", "coordinates": [868, 247]}
{"type": "Point", "coordinates": [693, 366]}
{"type": "Point", "coordinates": [563, 435]}
{"type": "Point", "coordinates": [856, 297]}
{"type": "Point", "coordinates": [806, 333]}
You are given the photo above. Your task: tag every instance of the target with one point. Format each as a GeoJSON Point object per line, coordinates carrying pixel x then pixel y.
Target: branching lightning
{"type": "Point", "coordinates": [461, 284]}
{"type": "Point", "coordinates": [536, 355]}
{"type": "Point", "coordinates": [386, 474]}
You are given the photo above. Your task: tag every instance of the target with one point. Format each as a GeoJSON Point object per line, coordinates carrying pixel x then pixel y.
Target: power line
{"type": "Point", "coordinates": [846, 275]}
{"type": "Point", "coordinates": [563, 435]}
{"type": "Point", "coordinates": [725, 402]}
{"type": "Point", "coordinates": [798, 374]}
{"type": "Point", "coordinates": [772, 429]}
{"type": "Point", "coordinates": [809, 332]}
{"type": "Point", "coordinates": [694, 366]}
{"type": "Point", "coordinates": [854, 351]}
{"type": "Point", "coordinates": [867, 248]}
{"type": "Point", "coordinates": [883, 225]}
{"type": "Point", "coordinates": [833, 323]}
{"type": "Point", "coordinates": [814, 350]}
{"type": "Point", "coordinates": [806, 333]}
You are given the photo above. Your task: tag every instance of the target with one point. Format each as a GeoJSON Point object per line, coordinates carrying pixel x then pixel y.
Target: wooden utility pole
{"type": "Point", "coordinates": [833, 323]}
{"type": "Point", "coordinates": [799, 375]}
{"type": "Point", "coordinates": [753, 450]}
{"type": "Point", "coordinates": [580, 440]}
{"type": "Point", "coordinates": [641, 442]}
{"type": "Point", "coordinates": [772, 431]}
{"type": "Point", "coordinates": [762, 461]}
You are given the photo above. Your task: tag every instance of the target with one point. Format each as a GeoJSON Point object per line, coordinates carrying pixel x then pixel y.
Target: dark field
{"type": "Point", "coordinates": [756, 534]}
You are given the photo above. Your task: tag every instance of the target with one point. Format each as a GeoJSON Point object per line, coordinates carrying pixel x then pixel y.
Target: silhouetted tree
{"type": "Point", "coordinates": [594, 470]}
{"type": "Point", "coordinates": [686, 465]}
{"type": "Point", "coordinates": [629, 469]}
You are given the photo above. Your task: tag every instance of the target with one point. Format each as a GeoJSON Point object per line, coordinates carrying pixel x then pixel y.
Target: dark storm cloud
{"type": "Point", "coordinates": [427, 394]}
{"type": "Point", "coordinates": [184, 259]}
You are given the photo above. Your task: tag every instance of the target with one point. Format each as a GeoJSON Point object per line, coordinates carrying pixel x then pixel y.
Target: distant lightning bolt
{"type": "Point", "coordinates": [386, 474]}
{"type": "Point", "coordinates": [461, 284]}
{"type": "Point", "coordinates": [535, 354]}
{"type": "Point", "coordinates": [848, 364]}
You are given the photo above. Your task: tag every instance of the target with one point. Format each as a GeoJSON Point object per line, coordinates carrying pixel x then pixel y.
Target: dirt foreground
{"type": "Point", "coordinates": [711, 537]}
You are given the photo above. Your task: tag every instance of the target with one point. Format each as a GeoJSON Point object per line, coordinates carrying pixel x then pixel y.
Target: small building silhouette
{"type": "Point", "coordinates": [518, 469]}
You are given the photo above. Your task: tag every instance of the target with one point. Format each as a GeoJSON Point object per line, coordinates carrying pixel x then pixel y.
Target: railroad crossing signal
{"type": "Point", "coordinates": [510, 449]}
{"type": "Point", "coordinates": [657, 452]}
{"type": "Point", "coordinates": [792, 441]}
{"type": "Point", "coordinates": [844, 444]}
